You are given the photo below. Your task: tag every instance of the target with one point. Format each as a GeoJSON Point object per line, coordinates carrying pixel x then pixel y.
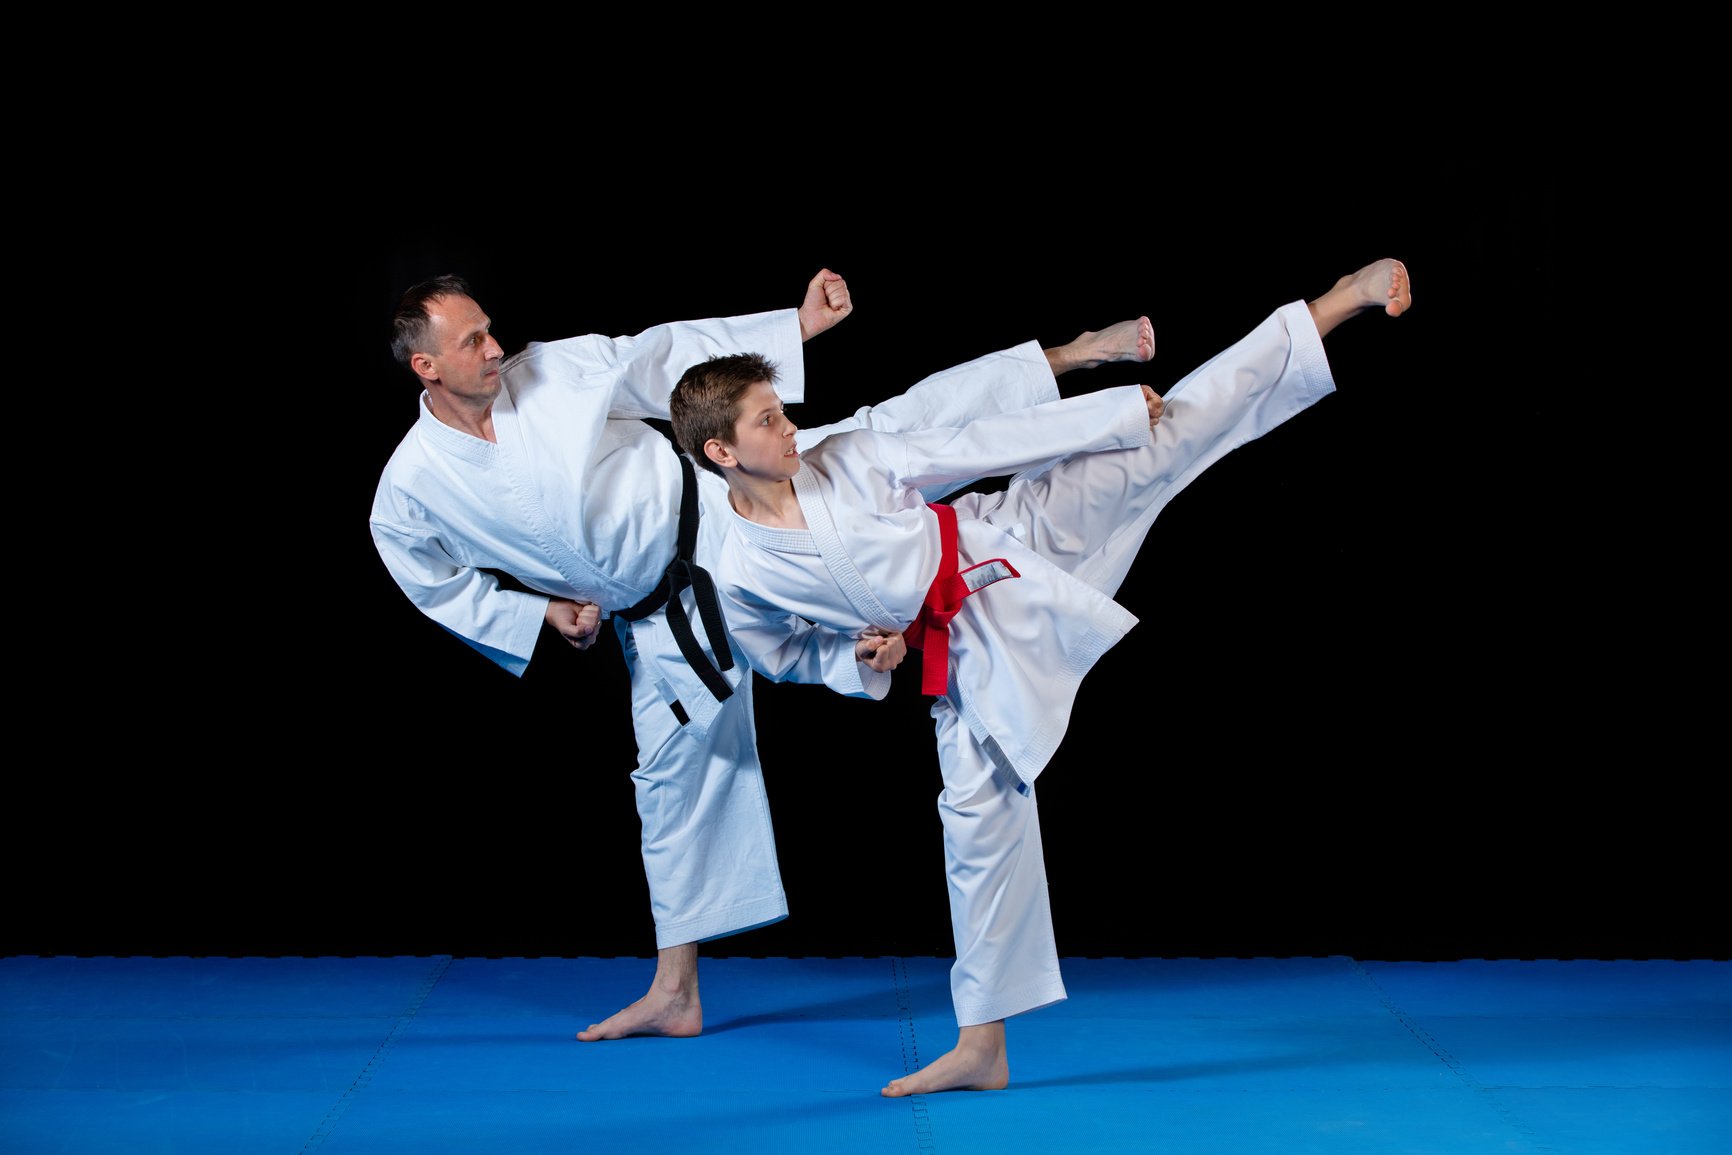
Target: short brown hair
{"type": "Point", "coordinates": [706, 402]}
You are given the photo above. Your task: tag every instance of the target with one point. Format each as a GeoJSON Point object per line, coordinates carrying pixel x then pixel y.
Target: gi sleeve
{"type": "Point", "coordinates": [785, 647]}
{"type": "Point", "coordinates": [1116, 418]}
{"type": "Point", "coordinates": [1002, 382]}
{"type": "Point", "coordinates": [641, 371]}
{"type": "Point", "coordinates": [501, 624]}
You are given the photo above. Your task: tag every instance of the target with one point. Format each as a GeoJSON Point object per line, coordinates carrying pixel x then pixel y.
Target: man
{"type": "Point", "coordinates": [530, 492]}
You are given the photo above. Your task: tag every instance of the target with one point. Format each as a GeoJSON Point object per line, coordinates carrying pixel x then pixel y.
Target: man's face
{"type": "Point", "coordinates": [467, 357]}
{"type": "Point", "coordinates": [764, 437]}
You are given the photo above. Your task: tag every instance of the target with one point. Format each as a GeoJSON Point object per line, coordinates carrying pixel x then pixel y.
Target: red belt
{"type": "Point", "coordinates": [930, 632]}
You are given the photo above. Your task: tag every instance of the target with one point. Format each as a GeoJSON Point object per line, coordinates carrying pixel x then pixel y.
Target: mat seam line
{"type": "Point", "coordinates": [911, 1054]}
{"type": "Point", "coordinates": [365, 1077]}
{"type": "Point", "coordinates": [1455, 1066]}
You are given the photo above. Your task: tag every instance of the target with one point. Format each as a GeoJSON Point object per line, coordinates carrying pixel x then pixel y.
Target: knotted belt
{"type": "Point", "coordinates": [682, 572]}
{"type": "Point", "coordinates": [930, 632]}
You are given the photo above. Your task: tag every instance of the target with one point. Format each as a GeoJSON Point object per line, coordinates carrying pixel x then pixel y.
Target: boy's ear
{"type": "Point", "coordinates": [719, 452]}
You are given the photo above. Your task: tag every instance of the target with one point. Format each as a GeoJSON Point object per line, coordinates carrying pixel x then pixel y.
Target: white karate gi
{"type": "Point", "coordinates": [796, 600]}
{"type": "Point", "coordinates": [579, 499]}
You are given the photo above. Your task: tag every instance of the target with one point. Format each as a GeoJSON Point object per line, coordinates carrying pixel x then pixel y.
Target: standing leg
{"type": "Point", "coordinates": [1000, 913]}
{"type": "Point", "coordinates": [709, 852]}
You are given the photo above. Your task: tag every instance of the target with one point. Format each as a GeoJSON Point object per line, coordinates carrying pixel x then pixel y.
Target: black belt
{"type": "Point", "coordinates": [682, 572]}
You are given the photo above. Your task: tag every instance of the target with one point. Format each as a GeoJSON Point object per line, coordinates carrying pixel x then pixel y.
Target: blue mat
{"type": "Point", "coordinates": [441, 1054]}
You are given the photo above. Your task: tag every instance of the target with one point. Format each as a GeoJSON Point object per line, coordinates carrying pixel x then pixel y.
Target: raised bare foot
{"type": "Point", "coordinates": [978, 1063]}
{"type": "Point", "coordinates": [1125, 341]}
{"type": "Point", "coordinates": [671, 1016]}
{"type": "Point", "coordinates": [1380, 285]}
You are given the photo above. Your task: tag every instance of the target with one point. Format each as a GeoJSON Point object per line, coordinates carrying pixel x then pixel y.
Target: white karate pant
{"type": "Point", "coordinates": [1089, 515]}
{"type": "Point", "coordinates": [709, 851]}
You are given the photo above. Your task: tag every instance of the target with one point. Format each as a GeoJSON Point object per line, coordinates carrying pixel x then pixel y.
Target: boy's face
{"type": "Point", "coordinates": [764, 437]}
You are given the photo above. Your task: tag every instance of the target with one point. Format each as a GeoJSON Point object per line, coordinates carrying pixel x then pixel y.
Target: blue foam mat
{"type": "Point", "coordinates": [440, 1054]}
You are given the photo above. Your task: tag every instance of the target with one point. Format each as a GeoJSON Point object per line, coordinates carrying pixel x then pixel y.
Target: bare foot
{"type": "Point", "coordinates": [1380, 285]}
{"type": "Point", "coordinates": [978, 1063]}
{"type": "Point", "coordinates": [657, 1013]}
{"type": "Point", "coordinates": [1384, 283]}
{"type": "Point", "coordinates": [671, 1009]}
{"type": "Point", "coordinates": [1125, 341]}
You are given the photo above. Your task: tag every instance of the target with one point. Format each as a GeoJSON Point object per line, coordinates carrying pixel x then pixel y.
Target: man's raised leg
{"type": "Point", "coordinates": [1125, 341]}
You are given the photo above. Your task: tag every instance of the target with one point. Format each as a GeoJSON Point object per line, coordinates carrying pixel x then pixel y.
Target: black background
{"type": "Point", "coordinates": [1385, 698]}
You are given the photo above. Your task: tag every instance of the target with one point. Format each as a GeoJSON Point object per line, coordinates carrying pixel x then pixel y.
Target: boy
{"type": "Point", "coordinates": [834, 564]}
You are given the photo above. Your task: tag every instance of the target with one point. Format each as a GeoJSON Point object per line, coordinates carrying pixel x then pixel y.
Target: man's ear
{"type": "Point", "coordinates": [424, 367]}
{"type": "Point", "coordinates": [720, 452]}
